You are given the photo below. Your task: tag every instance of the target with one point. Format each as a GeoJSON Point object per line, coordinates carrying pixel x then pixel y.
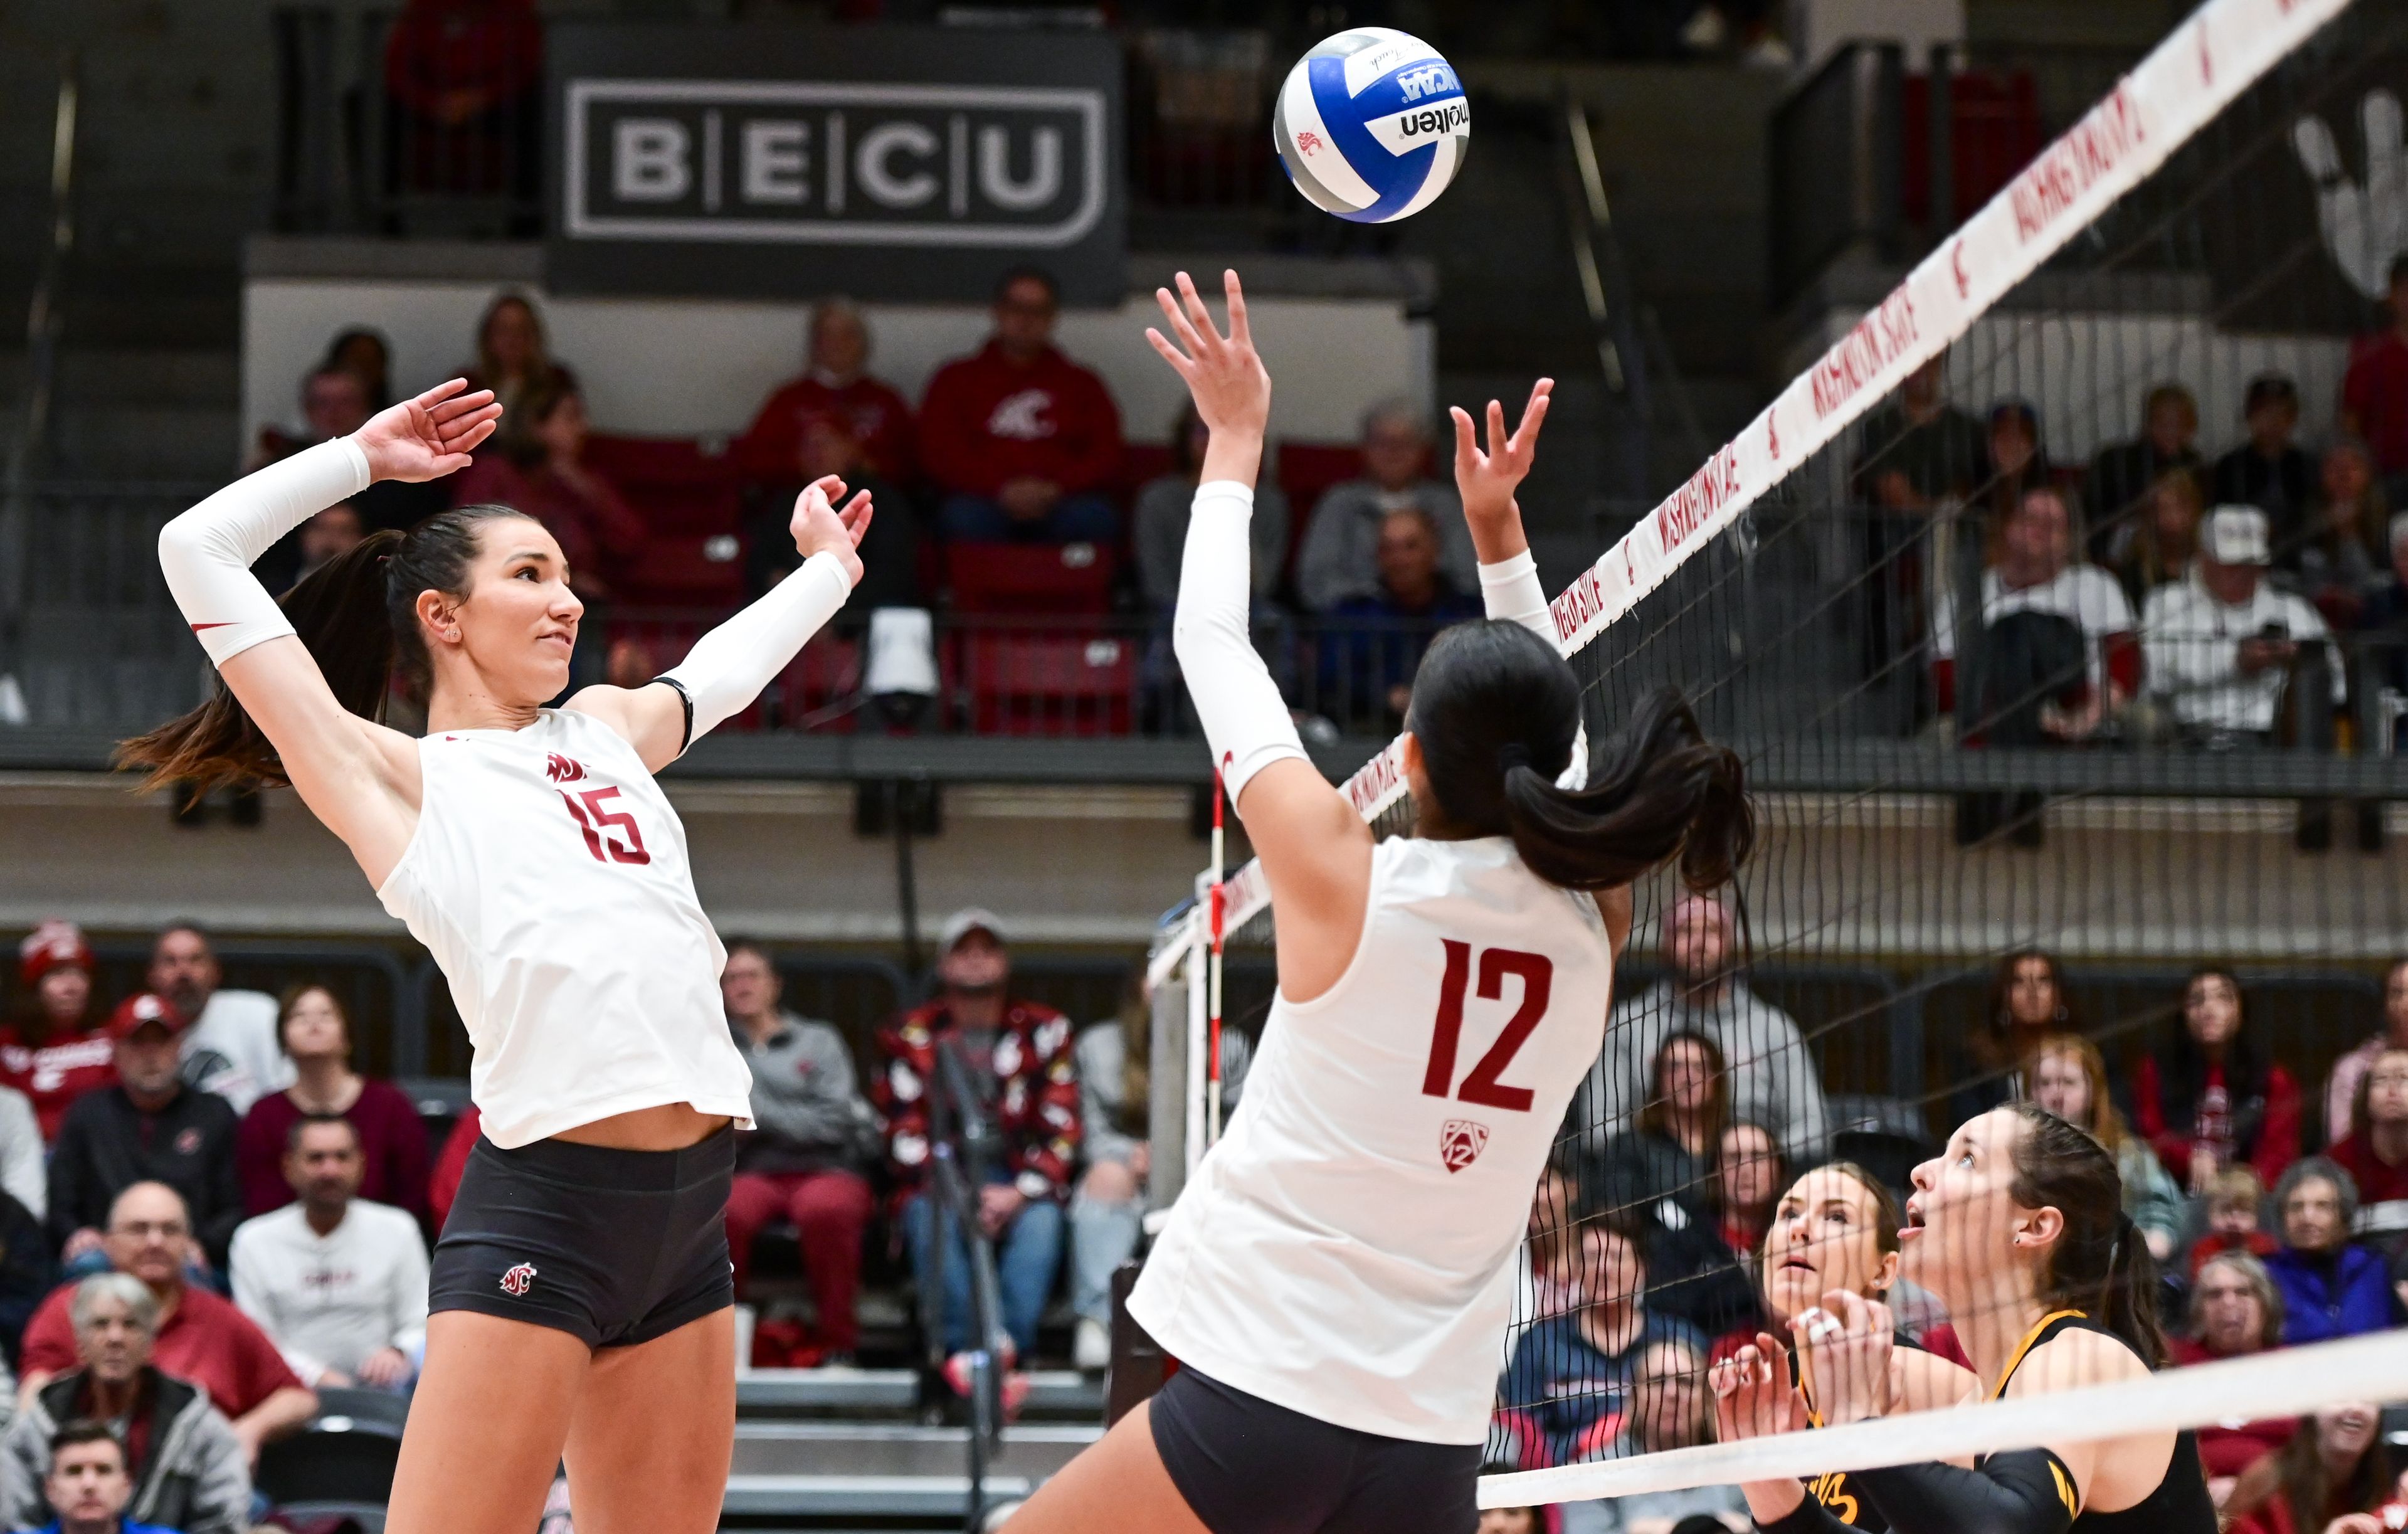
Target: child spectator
{"type": "Point", "coordinates": [1339, 557]}
{"type": "Point", "coordinates": [2338, 558]}
{"type": "Point", "coordinates": [835, 385]}
{"type": "Point", "coordinates": [2331, 1286]}
{"type": "Point", "coordinates": [2069, 1077]}
{"type": "Point", "coordinates": [2269, 471]}
{"type": "Point", "coordinates": [2229, 1211]}
{"type": "Point", "coordinates": [1373, 643]}
{"type": "Point", "coordinates": [812, 1139]}
{"type": "Point", "coordinates": [2235, 1311]}
{"type": "Point", "coordinates": [2209, 1100]}
{"type": "Point", "coordinates": [56, 1049]}
{"type": "Point", "coordinates": [2375, 1151]}
{"type": "Point", "coordinates": [316, 1033]}
{"type": "Point", "coordinates": [1161, 521]}
{"type": "Point", "coordinates": [2121, 475]}
{"type": "Point", "coordinates": [2341, 1087]}
{"type": "Point", "coordinates": [1569, 1389]}
{"type": "Point", "coordinates": [2374, 389]}
{"type": "Point", "coordinates": [1023, 442]}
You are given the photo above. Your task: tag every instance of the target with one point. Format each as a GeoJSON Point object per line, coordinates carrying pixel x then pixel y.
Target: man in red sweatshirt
{"type": "Point", "coordinates": [1021, 440]}
{"type": "Point", "coordinates": [837, 386]}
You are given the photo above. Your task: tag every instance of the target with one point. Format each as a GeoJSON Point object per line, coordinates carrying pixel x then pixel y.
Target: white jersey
{"type": "Point", "coordinates": [1346, 1250]}
{"type": "Point", "coordinates": [547, 876]}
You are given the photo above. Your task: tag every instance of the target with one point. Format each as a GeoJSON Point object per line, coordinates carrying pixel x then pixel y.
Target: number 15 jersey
{"type": "Point", "coordinates": [547, 876]}
{"type": "Point", "coordinates": [1346, 1250]}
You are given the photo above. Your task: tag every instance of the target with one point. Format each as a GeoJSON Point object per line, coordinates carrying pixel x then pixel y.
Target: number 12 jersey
{"type": "Point", "coordinates": [1346, 1250]}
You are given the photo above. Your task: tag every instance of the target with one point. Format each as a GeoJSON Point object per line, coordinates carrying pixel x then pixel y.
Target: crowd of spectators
{"type": "Point", "coordinates": [2152, 595]}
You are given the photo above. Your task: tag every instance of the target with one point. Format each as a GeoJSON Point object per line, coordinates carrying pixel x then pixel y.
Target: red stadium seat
{"type": "Point", "coordinates": [1032, 580]}
{"type": "Point", "coordinates": [677, 485]}
{"type": "Point", "coordinates": [828, 671]}
{"type": "Point", "coordinates": [1052, 682]}
{"type": "Point", "coordinates": [684, 570]}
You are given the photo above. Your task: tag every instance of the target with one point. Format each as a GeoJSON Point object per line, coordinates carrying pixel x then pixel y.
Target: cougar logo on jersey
{"type": "Point", "coordinates": [1460, 1142]}
{"type": "Point", "coordinates": [517, 1280]}
{"type": "Point", "coordinates": [562, 769]}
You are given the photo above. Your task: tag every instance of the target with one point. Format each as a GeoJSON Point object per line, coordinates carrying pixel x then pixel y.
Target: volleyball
{"type": "Point", "coordinates": [1371, 124]}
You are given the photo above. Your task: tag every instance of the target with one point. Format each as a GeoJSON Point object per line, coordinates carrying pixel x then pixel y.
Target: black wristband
{"type": "Point", "coordinates": [685, 737]}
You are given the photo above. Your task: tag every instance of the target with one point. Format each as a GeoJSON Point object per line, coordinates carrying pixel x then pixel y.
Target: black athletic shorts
{"type": "Point", "coordinates": [613, 1247]}
{"type": "Point", "coordinates": [1247, 1467]}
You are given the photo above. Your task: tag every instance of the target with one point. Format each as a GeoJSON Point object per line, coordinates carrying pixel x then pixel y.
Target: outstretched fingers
{"type": "Point", "coordinates": [1240, 332]}
{"type": "Point", "coordinates": [1466, 447]}
{"type": "Point", "coordinates": [1197, 315]}
{"type": "Point", "coordinates": [460, 433]}
{"type": "Point", "coordinates": [855, 516]}
{"type": "Point", "coordinates": [1534, 415]}
{"type": "Point", "coordinates": [456, 404]}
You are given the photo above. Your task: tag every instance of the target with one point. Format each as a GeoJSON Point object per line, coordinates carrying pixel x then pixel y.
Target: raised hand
{"type": "Point", "coordinates": [429, 436]}
{"type": "Point", "coordinates": [820, 528]}
{"type": "Point", "coordinates": [2365, 225]}
{"type": "Point", "coordinates": [1843, 1347]}
{"type": "Point", "coordinates": [1487, 481]}
{"type": "Point", "coordinates": [1231, 388]}
{"type": "Point", "coordinates": [1754, 1395]}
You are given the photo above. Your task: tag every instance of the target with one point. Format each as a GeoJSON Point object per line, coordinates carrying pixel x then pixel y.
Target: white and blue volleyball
{"type": "Point", "coordinates": [1371, 124]}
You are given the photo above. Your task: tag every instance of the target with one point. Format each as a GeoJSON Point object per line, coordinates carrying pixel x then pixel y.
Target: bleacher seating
{"type": "Point", "coordinates": [688, 494]}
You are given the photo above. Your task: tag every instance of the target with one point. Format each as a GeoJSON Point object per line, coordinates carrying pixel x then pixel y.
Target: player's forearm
{"type": "Point", "coordinates": [1245, 720]}
{"type": "Point", "coordinates": [727, 667]}
{"type": "Point", "coordinates": [2027, 1491]}
{"type": "Point", "coordinates": [207, 553]}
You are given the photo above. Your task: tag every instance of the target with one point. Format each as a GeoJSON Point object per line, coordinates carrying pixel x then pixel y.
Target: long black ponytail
{"type": "Point", "coordinates": [1496, 711]}
{"type": "Point", "coordinates": [358, 615]}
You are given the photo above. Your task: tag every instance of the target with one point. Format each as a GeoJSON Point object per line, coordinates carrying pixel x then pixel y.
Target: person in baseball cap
{"type": "Point", "coordinates": [145, 1009]}
{"type": "Point", "coordinates": [56, 1048]}
{"type": "Point", "coordinates": [2220, 645]}
{"type": "Point", "coordinates": [2237, 535]}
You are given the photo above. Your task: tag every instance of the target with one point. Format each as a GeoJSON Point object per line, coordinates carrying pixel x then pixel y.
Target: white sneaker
{"type": "Point", "coordinates": [1091, 1346]}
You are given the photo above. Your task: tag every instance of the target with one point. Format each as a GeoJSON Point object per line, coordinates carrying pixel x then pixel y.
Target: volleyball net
{"type": "Point", "coordinates": [2017, 775]}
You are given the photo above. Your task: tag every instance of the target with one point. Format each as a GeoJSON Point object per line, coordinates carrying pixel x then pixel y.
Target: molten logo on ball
{"type": "Point", "coordinates": [519, 1280]}
{"type": "Point", "coordinates": [1460, 1142]}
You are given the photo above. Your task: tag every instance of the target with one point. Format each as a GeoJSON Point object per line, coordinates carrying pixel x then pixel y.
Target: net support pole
{"type": "Point", "coordinates": [1194, 967]}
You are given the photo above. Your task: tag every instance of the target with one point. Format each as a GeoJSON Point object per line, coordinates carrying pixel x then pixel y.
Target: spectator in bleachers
{"type": "Point", "coordinates": [2036, 603]}
{"type": "Point", "coordinates": [2211, 1099]}
{"type": "Point", "coordinates": [1023, 442]}
{"type": "Point", "coordinates": [2157, 544]}
{"type": "Point", "coordinates": [2026, 1003]}
{"type": "Point", "coordinates": [2341, 1087]}
{"type": "Point", "coordinates": [2331, 1285]}
{"type": "Point", "coordinates": [200, 1337]}
{"type": "Point", "coordinates": [2123, 474]}
{"type": "Point", "coordinates": [890, 550]}
{"type": "Point", "coordinates": [58, 1048]}
{"type": "Point", "coordinates": [2384, 623]}
{"type": "Point", "coordinates": [363, 351]}
{"type": "Point", "coordinates": [2229, 1211]}
{"type": "Point", "coordinates": [2374, 388]}
{"type": "Point", "coordinates": [1340, 555]}
{"type": "Point", "coordinates": [464, 78]}
{"type": "Point", "coordinates": [1373, 645]}
{"type": "Point", "coordinates": [2268, 470]}
{"type": "Point", "coordinates": [813, 1138]}
{"type": "Point", "coordinates": [337, 399]}
{"type": "Point", "coordinates": [543, 473]}
{"type": "Point", "coordinates": [836, 385]}
{"type": "Point", "coordinates": [231, 1047]}
{"type": "Point", "coordinates": [147, 1127]}
{"type": "Point", "coordinates": [1702, 1246]}
{"type": "Point", "coordinates": [1922, 450]}
{"type": "Point", "coordinates": [2330, 1479]}
{"type": "Point", "coordinates": [334, 403]}
{"type": "Point", "coordinates": [1017, 1056]}
{"type": "Point", "coordinates": [2234, 1311]}
{"type": "Point", "coordinates": [2221, 645]}
{"type": "Point", "coordinates": [514, 359]}
{"type": "Point", "coordinates": [2069, 1077]}
{"type": "Point", "coordinates": [330, 535]}
{"type": "Point", "coordinates": [1669, 1151]}
{"type": "Point", "coordinates": [1160, 525]}
{"type": "Point", "coordinates": [1750, 1171]}
{"type": "Point", "coordinates": [1569, 1385]}
{"type": "Point", "coordinates": [89, 1485]}
{"type": "Point", "coordinates": [1774, 1080]}
{"type": "Point", "coordinates": [2336, 558]}
{"type": "Point", "coordinates": [1552, 1245]}
{"type": "Point", "coordinates": [2375, 1151]}
{"type": "Point", "coordinates": [2018, 463]}
{"type": "Point", "coordinates": [1107, 1211]}
{"type": "Point", "coordinates": [182, 1465]}
{"type": "Point", "coordinates": [29, 1270]}
{"type": "Point", "coordinates": [337, 1282]}
{"type": "Point", "coordinates": [316, 1033]}
{"type": "Point", "coordinates": [1670, 1408]}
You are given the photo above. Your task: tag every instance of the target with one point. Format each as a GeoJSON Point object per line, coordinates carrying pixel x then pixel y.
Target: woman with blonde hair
{"type": "Point", "coordinates": [2069, 1077]}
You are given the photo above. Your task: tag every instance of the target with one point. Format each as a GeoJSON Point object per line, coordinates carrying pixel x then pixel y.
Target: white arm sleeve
{"type": "Point", "coordinates": [727, 667]}
{"type": "Point", "coordinates": [207, 553]}
{"type": "Point", "coordinates": [1510, 593]}
{"type": "Point", "coordinates": [1245, 720]}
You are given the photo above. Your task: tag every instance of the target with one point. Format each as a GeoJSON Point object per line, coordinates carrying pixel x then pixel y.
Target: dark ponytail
{"type": "Point", "coordinates": [357, 614]}
{"type": "Point", "coordinates": [1496, 711]}
{"type": "Point", "coordinates": [2101, 1265]}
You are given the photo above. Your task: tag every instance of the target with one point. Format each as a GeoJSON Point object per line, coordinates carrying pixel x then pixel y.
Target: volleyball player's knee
{"type": "Point", "coordinates": [1109, 1183]}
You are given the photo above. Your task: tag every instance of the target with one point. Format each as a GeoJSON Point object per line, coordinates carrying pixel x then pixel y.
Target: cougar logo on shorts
{"type": "Point", "coordinates": [1460, 1142]}
{"type": "Point", "coordinates": [519, 1280]}
{"type": "Point", "coordinates": [562, 769]}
